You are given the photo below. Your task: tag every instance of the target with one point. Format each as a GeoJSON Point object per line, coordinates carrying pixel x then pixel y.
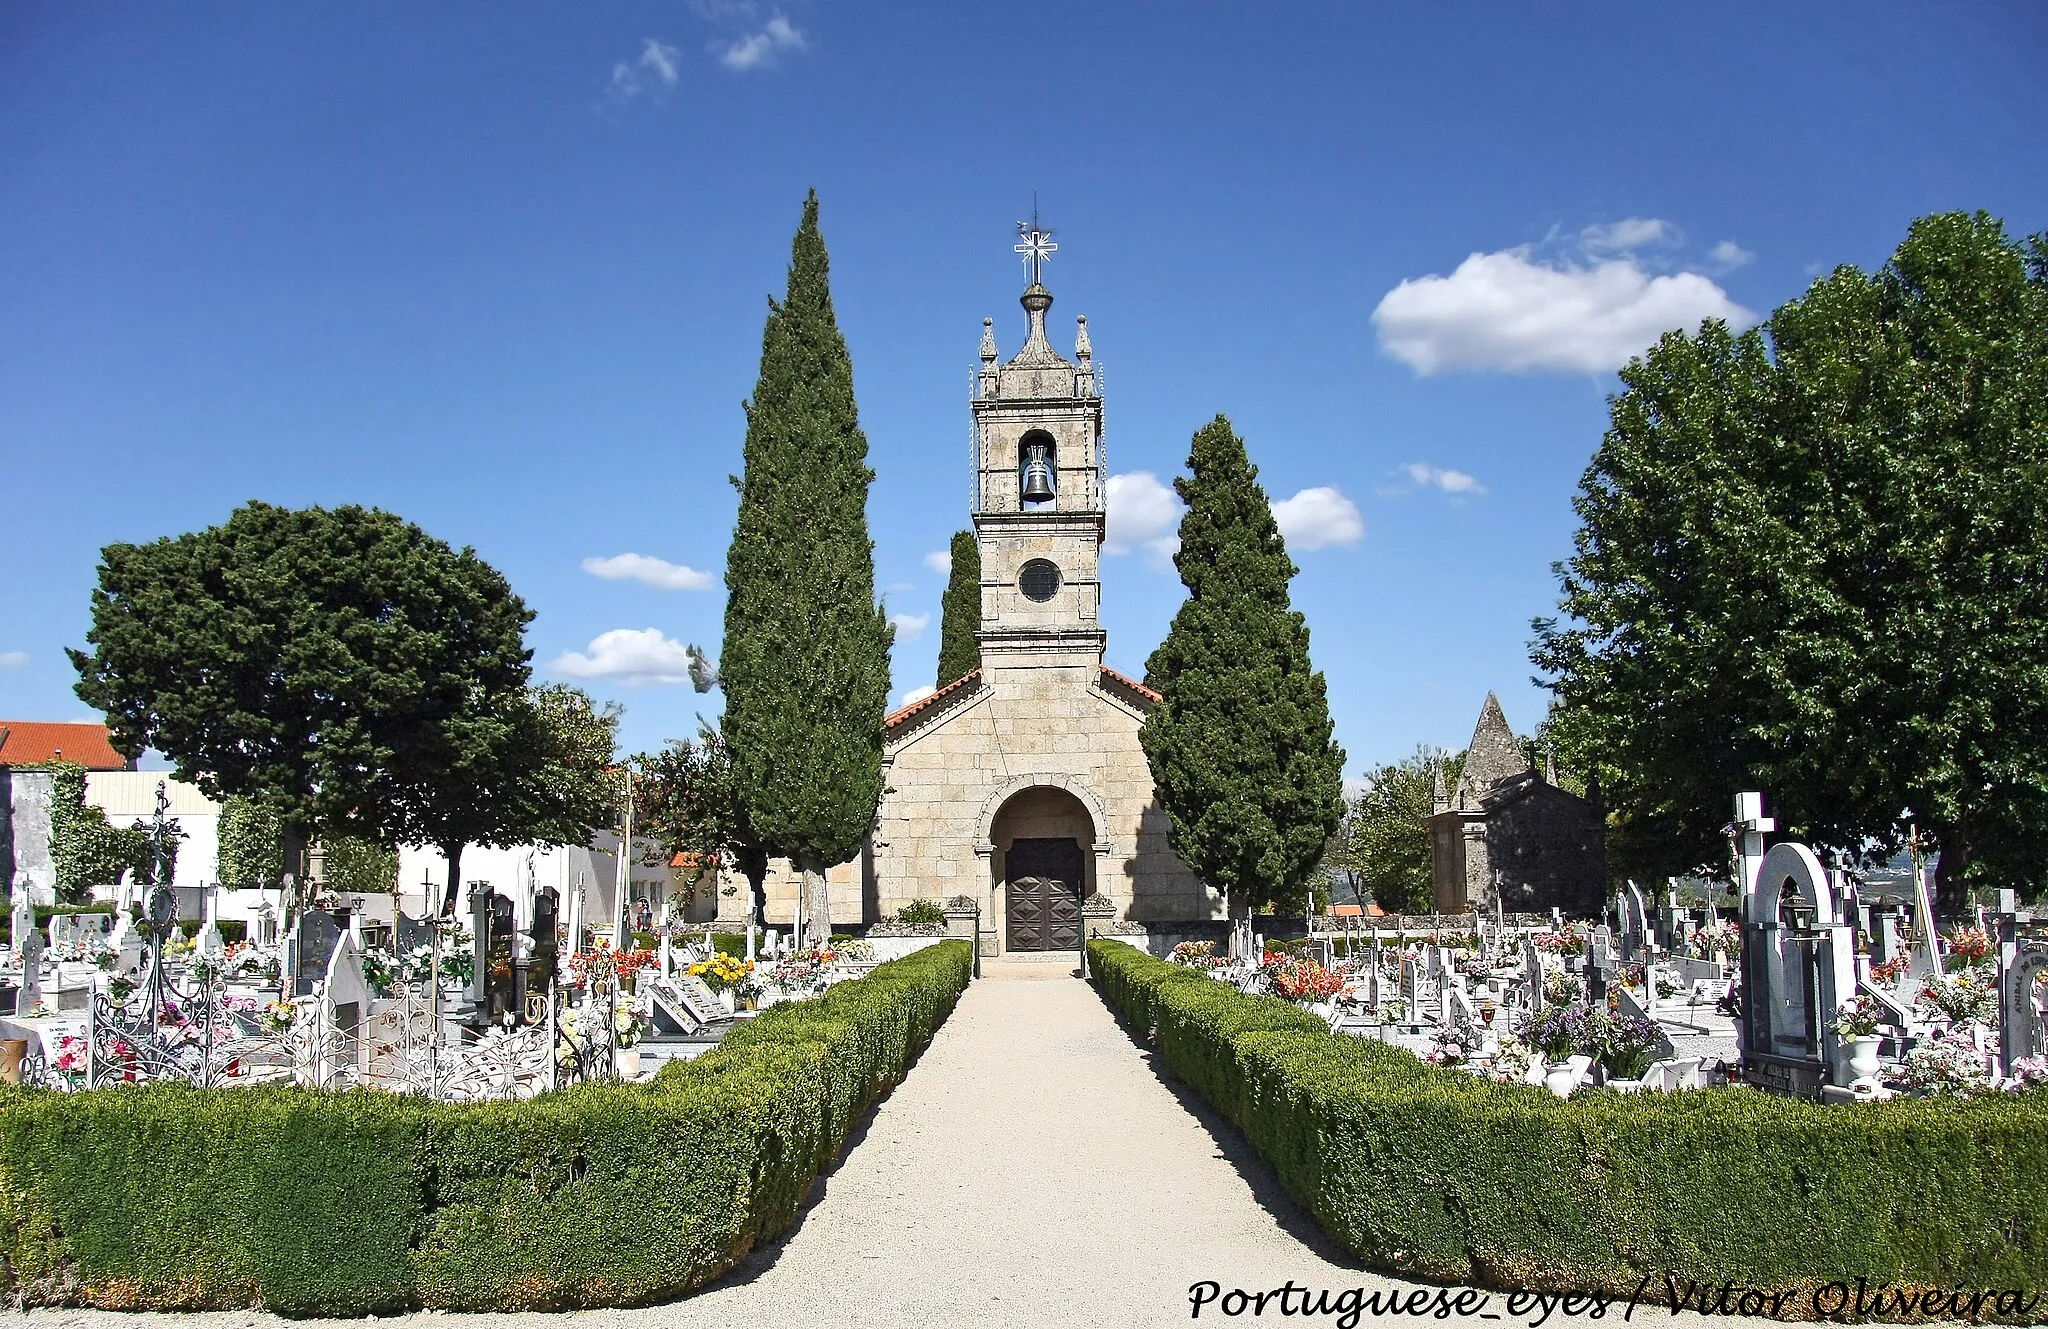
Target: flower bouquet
{"type": "Point", "coordinates": [1858, 1017]}
{"type": "Point", "coordinates": [722, 971]}
{"type": "Point", "coordinates": [1969, 996]}
{"type": "Point", "coordinates": [1970, 945]}
{"type": "Point", "coordinates": [1306, 981]}
{"type": "Point", "coordinates": [1943, 1066]}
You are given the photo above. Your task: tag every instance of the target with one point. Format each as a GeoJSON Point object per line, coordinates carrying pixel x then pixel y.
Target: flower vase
{"type": "Point", "coordinates": [1863, 1058]}
{"type": "Point", "coordinates": [726, 999]}
{"type": "Point", "coordinates": [626, 1061]}
{"type": "Point", "coordinates": [1561, 1080]}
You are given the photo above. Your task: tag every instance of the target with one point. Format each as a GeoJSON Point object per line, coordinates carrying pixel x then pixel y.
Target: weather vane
{"type": "Point", "coordinates": [1035, 242]}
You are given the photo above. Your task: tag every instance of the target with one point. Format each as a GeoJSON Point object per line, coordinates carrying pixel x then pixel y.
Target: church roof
{"type": "Point", "coordinates": [930, 700]}
{"type": "Point", "coordinates": [28, 742]}
{"type": "Point", "coordinates": [1495, 755]}
{"type": "Point", "coordinates": [1131, 684]}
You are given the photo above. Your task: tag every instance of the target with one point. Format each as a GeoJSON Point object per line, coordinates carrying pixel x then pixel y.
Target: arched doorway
{"type": "Point", "coordinates": [1044, 841]}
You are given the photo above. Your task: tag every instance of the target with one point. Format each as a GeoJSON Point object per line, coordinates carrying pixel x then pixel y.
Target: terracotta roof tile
{"type": "Point", "coordinates": [26, 742]}
{"type": "Point", "coordinates": [1133, 684]}
{"type": "Point", "coordinates": [924, 703]}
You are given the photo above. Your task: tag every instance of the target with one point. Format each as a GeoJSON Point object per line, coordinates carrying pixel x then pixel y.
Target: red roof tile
{"type": "Point", "coordinates": [26, 742]}
{"type": "Point", "coordinates": [922, 703]}
{"type": "Point", "coordinates": [1133, 684]}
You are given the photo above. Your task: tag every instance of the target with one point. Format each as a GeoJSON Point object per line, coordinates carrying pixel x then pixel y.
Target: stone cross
{"type": "Point", "coordinates": [1532, 973]}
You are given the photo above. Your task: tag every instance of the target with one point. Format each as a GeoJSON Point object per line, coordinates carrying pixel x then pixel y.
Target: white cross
{"type": "Point", "coordinates": [1036, 246]}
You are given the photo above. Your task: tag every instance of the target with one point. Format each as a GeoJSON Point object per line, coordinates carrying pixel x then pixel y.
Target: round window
{"type": "Point", "coordinates": [1040, 580]}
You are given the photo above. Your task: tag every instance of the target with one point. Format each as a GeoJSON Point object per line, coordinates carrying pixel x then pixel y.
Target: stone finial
{"type": "Point", "coordinates": [1084, 350]}
{"type": "Point", "coordinates": [1550, 768]}
{"type": "Point", "coordinates": [988, 341]}
{"type": "Point", "coordinates": [1439, 796]}
{"type": "Point", "coordinates": [1494, 756]}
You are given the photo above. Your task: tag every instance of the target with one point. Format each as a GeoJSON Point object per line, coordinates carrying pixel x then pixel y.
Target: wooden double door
{"type": "Point", "coordinates": [1046, 881]}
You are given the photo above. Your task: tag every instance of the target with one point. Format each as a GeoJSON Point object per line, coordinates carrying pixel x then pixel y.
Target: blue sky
{"type": "Point", "coordinates": [502, 268]}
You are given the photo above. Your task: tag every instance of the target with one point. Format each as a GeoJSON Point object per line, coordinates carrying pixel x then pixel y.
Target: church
{"type": "Point", "coordinates": [1021, 786]}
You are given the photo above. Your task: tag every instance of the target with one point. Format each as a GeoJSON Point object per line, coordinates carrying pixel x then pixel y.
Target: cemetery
{"type": "Point", "coordinates": [1572, 1104]}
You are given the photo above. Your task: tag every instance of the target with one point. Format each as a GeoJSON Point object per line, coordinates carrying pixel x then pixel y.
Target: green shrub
{"type": "Point", "coordinates": [921, 913]}
{"type": "Point", "coordinates": [344, 1204]}
{"type": "Point", "coordinates": [1437, 1173]}
{"type": "Point", "coordinates": [730, 943]}
{"type": "Point", "coordinates": [44, 912]}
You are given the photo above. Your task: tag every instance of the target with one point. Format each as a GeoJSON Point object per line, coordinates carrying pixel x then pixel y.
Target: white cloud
{"type": "Point", "coordinates": [917, 694]}
{"type": "Point", "coordinates": [1143, 515]}
{"type": "Point", "coordinates": [761, 49]}
{"type": "Point", "coordinates": [940, 561]}
{"type": "Point", "coordinates": [1728, 256]}
{"type": "Point", "coordinates": [653, 72]}
{"type": "Point", "coordinates": [1629, 234]}
{"type": "Point", "coordinates": [1435, 477]}
{"type": "Point", "coordinates": [1515, 312]}
{"type": "Point", "coordinates": [630, 655]}
{"type": "Point", "coordinates": [656, 572]}
{"type": "Point", "coordinates": [13, 659]}
{"type": "Point", "coordinates": [909, 627]}
{"type": "Point", "coordinates": [1317, 518]}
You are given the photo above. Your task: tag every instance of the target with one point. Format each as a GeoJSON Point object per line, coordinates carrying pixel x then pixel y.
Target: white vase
{"type": "Point", "coordinates": [626, 1061]}
{"type": "Point", "coordinates": [1863, 1058]}
{"type": "Point", "coordinates": [727, 1000]}
{"type": "Point", "coordinates": [1561, 1080]}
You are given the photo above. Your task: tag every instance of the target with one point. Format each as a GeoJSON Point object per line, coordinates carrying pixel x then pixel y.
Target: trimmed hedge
{"type": "Point", "coordinates": [169, 1197]}
{"type": "Point", "coordinates": [1438, 1173]}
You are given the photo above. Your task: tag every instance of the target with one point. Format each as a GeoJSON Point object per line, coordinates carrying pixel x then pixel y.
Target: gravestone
{"type": "Point", "coordinates": [1600, 965]}
{"type": "Point", "coordinates": [410, 934]}
{"type": "Point", "coordinates": [310, 948]}
{"type": "Point", "coordinates": [1798, 966]}
{"type": "Point", "coordinates": [2022, 1033]}
{"type": "Point", "coordinates": [540, 970]}
{"type": "Point", "coordinates": [479, 940]}
{"type": "Point", "coordinates": [1532, 974]}
{"type": "Point", "coordinates": [28, 947]}
{"type": "Point", "coordinates": [1635, 925]}
{"type": "Point", "coordinates": [344, 1003]}
{"type": "Point", "coordinates": [501, 983]}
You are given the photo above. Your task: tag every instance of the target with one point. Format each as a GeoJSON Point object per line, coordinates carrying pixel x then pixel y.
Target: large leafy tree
{"type": "Point", "coordinates": [686, 802]}
{"type": "Point", "coordinates": [805, 660]}
{"type": "Point", "coordinates": [313, 660]}
{"type": "Point", "coordinates": [250, 842]}
{"type": "Point", "coordinates": [1814, 560]}
{"type": "Point", "coordinates": [533, 767]}
{"type": "Point", "coordinates": [1240, 746]}
{"type": "Point", "coordinates": [960, 612]}
{"type": "Point", "coordinates": [1384, 842]}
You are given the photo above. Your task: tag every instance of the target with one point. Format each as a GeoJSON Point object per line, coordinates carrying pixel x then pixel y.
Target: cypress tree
{"type": "Point", "coordinates": [960, 612]}
{"type": "Point", "coordinates": [1241, 747]}
{"type": "Point", "coordinates": [805, 662]}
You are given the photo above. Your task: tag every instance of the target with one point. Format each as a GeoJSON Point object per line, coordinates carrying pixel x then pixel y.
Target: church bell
{"type": "Point", "coordinates": [1037, 475]}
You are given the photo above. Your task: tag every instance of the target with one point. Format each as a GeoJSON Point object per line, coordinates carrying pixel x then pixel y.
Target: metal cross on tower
{"type": "Point", "coordinates": [1035, 243]}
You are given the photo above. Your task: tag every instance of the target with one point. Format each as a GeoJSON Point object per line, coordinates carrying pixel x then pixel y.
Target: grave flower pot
{"type": "Point", "coordinates": [1560, 1080]}
{"type": "Point", "coordinates": [1863, 1058]}
{"type": "Point", "coordinates": [727, 1000]}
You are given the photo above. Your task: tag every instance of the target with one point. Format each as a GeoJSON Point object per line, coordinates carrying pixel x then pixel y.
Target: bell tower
{"type": "Point", "coordinates": [1039, 483]}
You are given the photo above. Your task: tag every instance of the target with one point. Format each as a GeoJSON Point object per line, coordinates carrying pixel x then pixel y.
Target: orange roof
{"type": "Point", "coordinates": [1133, 684]}
{"type": "Point", "coordinates": [26, 742]}
{"type": "Point", "coordinates": [923, 703]}
{"type": "Point", "coordinates": [1345, 911]}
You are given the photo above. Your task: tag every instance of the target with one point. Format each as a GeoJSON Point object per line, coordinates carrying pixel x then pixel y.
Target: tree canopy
{"type": "Point", "coordinates": [300, 658]}
{"type": "Point", "coordinates": [960, 612]}
{"type": "Point", "coordinates": [685, 801]}
{"type": "Point", "coordinates": [1384, 841]}
{"type": "Point", "coordinates": [805, 659]}
{"type": "Point", "coordinates": [1241, 745]}
{"type": "Point", "coordinates": [1813, 560]}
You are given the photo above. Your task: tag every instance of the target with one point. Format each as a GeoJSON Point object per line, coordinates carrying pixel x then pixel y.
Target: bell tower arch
{"type": "Point", "coordinates": [1040, 491]}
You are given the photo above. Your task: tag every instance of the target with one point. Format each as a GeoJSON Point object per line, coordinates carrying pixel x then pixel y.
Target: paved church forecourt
{"type": "Point", "coordinates": [1032, 1170]}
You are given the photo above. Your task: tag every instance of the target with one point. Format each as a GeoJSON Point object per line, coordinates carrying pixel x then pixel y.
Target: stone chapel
{"type": "Point", "coordinates": [1022, 785]}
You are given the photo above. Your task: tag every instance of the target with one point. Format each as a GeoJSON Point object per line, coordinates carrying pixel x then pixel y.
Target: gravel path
{"type": "Point", "coordinates": [1033, 1169]}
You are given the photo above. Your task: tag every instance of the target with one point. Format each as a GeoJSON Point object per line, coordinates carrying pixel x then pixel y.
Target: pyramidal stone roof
{"type": "Point", "coordinates": [1494, 755]}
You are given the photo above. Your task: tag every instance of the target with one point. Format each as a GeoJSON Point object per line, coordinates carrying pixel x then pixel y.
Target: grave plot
{"type": "Point", "coordinates": [316, 1001]}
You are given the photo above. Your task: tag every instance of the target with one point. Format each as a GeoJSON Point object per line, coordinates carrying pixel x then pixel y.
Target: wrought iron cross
{"type": "Point", "coordinates": [1035, 243]}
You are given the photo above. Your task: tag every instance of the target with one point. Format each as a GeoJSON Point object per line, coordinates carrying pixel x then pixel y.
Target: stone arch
{"type": "Point", "coordinates": [985, 822]}
{"type": "Point", "coordinates": [1795, 865]}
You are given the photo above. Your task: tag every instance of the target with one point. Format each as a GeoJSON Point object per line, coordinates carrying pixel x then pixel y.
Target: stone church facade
{"type": "Point", "coordinates": [1022, 786]}
{"type": "Point", "coordinates": [1509, 836]}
